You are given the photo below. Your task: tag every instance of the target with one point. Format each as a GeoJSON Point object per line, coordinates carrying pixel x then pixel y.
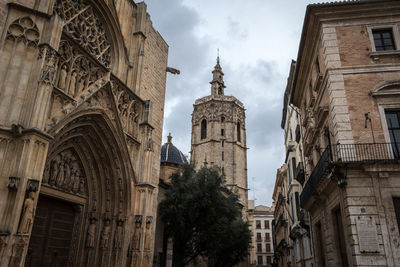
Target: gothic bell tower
{"type": "Point", "coordinates": [219, 135]}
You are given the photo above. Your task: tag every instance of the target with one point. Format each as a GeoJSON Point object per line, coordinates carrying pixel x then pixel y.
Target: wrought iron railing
{"type": "Point", "coordinates": [364, 153]}
{"type": "Point", "coordinates": [348, 153]}
{"type": "Point", "coordinates": [316, 176]}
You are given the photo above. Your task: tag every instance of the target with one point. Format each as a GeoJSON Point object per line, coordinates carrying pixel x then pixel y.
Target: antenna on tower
{"type": "Point", "coordinates": [217, 55]}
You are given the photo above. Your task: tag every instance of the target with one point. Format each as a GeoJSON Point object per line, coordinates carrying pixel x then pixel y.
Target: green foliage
{"type": "Point", "coordinates": [204, 219]}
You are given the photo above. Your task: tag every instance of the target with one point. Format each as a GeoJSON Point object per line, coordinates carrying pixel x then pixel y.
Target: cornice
{"type": "Point", "coordinates": [332, 14]}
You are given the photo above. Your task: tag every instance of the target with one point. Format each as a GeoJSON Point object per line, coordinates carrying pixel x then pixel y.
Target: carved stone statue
{"type": "Point", "coordinates": [72, 84]}
{"type": "Point", "coordinates": [137, 235]}
{"type": "Point", "coordinates": [46, 174]}
{"type": "Point", "coordinates": [81, 185]}
{"type": "Point", "coordinates": [28, 212]}
{"type": "Point", "coordinates": [60, 174]}
{"type": "Point", "coordinates": [67, 177]}
{"type": "Point", "coordinates": [105, 235]}
{"type": "Point", "coordinates": [118, 236]}
{"type": "Point", "coordinates": [147, 235]}
{"type": "Point", "coordinates": [81, 85]}
{"type": "Point", "coordinates": [54, 170]}
{"type": "Point", "coordinates": [76, 181]}
{"type": "Point", "coordinates": [91, 234]}
{"type": "Point", "coordinates": [63, 77]}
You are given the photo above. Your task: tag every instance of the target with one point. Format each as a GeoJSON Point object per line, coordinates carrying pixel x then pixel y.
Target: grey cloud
{"type": "Point", "coordinates": [235, 30]}
{"type": "Point", "coordinates": [259, 86]}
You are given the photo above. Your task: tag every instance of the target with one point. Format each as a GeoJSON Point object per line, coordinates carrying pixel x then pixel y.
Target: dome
{"type": "Point", "coordinates": [171, 154]}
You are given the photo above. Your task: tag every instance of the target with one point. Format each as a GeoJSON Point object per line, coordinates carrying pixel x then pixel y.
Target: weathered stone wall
{"type": "Point", "coordinates": [50, 82]}
{"type": "Point", "coordinates": [355, 80]}
{"type": "Point", "coordinates": [223, 151]}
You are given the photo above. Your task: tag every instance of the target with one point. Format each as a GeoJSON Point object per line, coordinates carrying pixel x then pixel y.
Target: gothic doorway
{"type": "Point", "coordinates": [51, 238]}
{"type": "Point", "coordinates": [83, 203]}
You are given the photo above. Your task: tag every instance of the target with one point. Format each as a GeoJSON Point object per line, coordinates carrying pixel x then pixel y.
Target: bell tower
{"type": "Point", "coordinates": [219, 135]}
{"type": "Point", "coordinates": [217, 83]}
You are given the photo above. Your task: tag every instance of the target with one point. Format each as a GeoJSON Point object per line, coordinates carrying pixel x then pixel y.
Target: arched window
{"type": "Point", "coordinates": [238, 131]}
{"type": "Point", "coordinates": [220, 90]}
{"type": "Point", "coordinates": [203, 129]}
{"type": "Point", "coordinates": [222, 119]}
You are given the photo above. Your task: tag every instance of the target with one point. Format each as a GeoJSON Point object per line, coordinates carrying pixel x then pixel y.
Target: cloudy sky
{"type": "Point", "coordinates": [257, 39]}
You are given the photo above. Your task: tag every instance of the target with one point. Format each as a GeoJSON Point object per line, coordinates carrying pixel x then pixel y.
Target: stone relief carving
{"type": "Point", "coordinates": [65, 173]}
{"type": "Point", "coordinates": [214, 111]}
{"type": "Point", "coordinates": [32, 185]}
{"type": "Point", "coordinates": [91, 234]}
{"type": "Point", "coordinates": [105, 235]}
{"type": "Point", "coordinates": [28, 213]}
{"type": "Point", "coordinates": [147, 236]}
{"type": "Point", "coordinates": [138, 232]}
{"type": "Point", "coordinates": [76, 72]}
{"type": "Point", "coordinates": [18, 250]}
{"type": "Point", "coordinates": [118, 235]}
{"type": "Point", "coordinates": [47, 74]}
{"type": "Point", "coordinates": [129, 108]}
{"type": "Point", "coordinates": [13, 182]}
{"type": "Point", "coordinates": [84, 26]}
{"type": "Point", "coordinates": [25, 30]}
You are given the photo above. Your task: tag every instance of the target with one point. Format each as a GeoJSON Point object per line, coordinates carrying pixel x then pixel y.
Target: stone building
{"type": "Point", "coordinates": [219, 136]}
{"type": "Point", "coordinates": [82, 88]}
{"type": "Point", "coordinates": [346, 86]}
{"type": "Point", "coordinates": [283, 254]}
{"type": "Point", "coordinates": [298, 223]}
{"type": "Point", "coordinates": [262, 236]}
{"type": "Point", "coordinates": [171, 159]}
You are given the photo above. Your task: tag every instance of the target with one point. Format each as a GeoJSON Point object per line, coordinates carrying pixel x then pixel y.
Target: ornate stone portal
{"type": "Point", "coordinates": [79, 139]}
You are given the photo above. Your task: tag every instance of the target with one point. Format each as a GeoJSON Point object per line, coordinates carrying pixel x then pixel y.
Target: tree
{"type": "Point", "coordinates": [204, 219]}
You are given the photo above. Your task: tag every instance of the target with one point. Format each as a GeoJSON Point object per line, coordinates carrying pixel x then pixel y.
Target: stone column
{"type": "Point", "coordinates": [21, 167]}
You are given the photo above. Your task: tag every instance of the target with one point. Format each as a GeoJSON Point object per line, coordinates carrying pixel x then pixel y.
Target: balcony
{"type": "Point", "coordinates": [348, 153]}
{"type": "Point", "coordinates": [299, 173]}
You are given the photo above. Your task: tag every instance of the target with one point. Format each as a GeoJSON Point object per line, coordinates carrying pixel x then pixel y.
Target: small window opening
{"type": "Point", "coordinates": [383, 39]}
{"type": "Point", "coordinates": [222, 132]}
{"type": "Point", "coordinates": [203, 129]}
{"type": "Point", "coordinates": [222, 119]}
{"type": "Point", "coordinates": [318, 67]}
{"type": "Point", "coordinates": [238, 131]}
{"type": "Point", "coordinates": [222, 155]}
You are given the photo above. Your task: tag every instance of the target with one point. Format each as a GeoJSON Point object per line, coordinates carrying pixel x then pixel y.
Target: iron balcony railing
{"type": "Point", "coordinates": [348, 153]}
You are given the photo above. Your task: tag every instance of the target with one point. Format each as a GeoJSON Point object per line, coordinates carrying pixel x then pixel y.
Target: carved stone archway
{"type": "Point", "coordinates": [86, 165]}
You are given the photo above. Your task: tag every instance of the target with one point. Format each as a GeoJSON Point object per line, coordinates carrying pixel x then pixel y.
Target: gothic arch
{"type": "Point", "coordinates": [98, 147]}
{"type": "Point", "coordinates": [92, 25]}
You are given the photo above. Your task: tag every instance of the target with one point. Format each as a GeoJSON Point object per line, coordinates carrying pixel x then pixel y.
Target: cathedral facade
{"type": "Point", "coordinates": [82, 88]}
{"type": "Point", "coordinates": [219, 135]}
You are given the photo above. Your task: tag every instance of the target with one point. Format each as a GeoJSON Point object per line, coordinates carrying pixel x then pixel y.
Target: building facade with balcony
{"type": "Point", "coordinates": [262, 235]}
{"type": "Point", "coordinates": [283, 254]}
{"type": "Point", "coordinates": [298, 225]}
{"type": "Point", "coordinates": [346, 86]}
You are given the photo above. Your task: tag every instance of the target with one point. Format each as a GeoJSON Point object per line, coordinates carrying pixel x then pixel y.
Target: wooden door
{"type": "Point", "coordinates": [50, 243]}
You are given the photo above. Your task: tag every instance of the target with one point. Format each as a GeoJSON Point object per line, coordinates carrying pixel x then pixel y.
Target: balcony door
{"type": "Point", "coordinates": [393, 123]}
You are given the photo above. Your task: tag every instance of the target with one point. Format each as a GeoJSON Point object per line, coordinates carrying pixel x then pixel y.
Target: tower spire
{"type": "Point", "coordinates": [217, 83]}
